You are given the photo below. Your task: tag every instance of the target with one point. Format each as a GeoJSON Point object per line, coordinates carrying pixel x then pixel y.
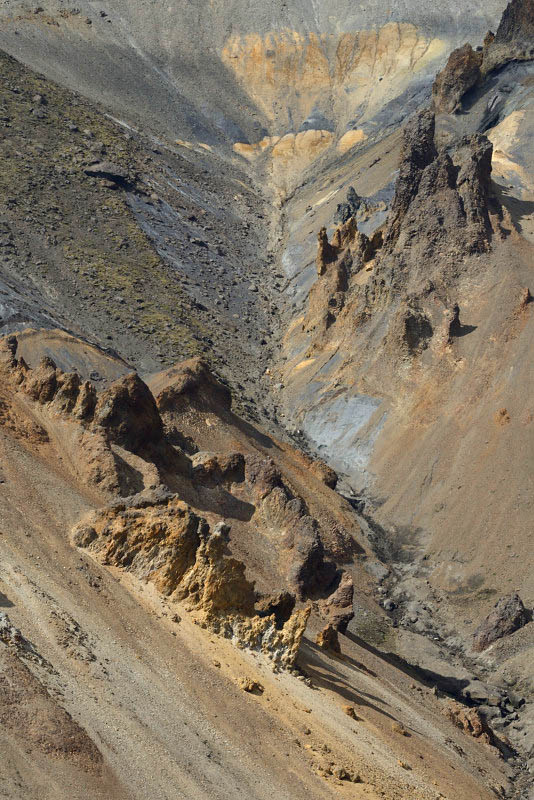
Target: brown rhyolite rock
{"type": "Point", "coordinates": [328, 640]}
{"type": "Point", "coordinates": [219, 467]}
{"type": "Point", "coordinates": [517, 21]}
{"type": "Point", "coordinates": [418, 152]}
{"type": "Point", "coordinates": [508, 615]}
{"type": "Point", "coordinates": [216, 584]}
{"type": "Point", "coordinates": [514, 38]}
{"type": "Point", "coordinates": [262, 475]}
{"type": "Point", "coordinates": [466, 67]}
{"type": "Point", "coordinates": [125, 413]}
{"type": "Point", "coordinates": [344, 256]}
{"type": "Point", "coordinates": [460, 74]}
{"type": "Point", "coordinates": [193, 383]}
{"type": "Point", "coordinates": [251, 686]}
{"type": "Point", "coordinates": [442, 205]}
{"type": "Point", "coordinates": [326, 253]}
{"type": "Point", "coordinates": [286, 517]}
{"type": "Point", "coordinates": [128, 413]}
{"type": "Point", "coordinates": [325, 473]}
{"type": "Point", "coordinates": [339, 606]}
{"type": "Point", "coordinates": [470, 721]}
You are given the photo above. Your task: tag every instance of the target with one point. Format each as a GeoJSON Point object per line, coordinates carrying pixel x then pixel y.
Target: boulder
{"type": "Point", "coordinates": [339, 606]}
{"type": "Point", "coordinates": [128, 413]}
{"type": "Point", "coordinates": [193, 383]}
{"type": "Point", "coordinates": [108, 171]}
{"type": "Point", "coordinates": [460, 74]}
{"type": "Point", "coordinates": [328, 639]}
{"type": "Point", "coordinates": [470, 721]}
{"type": "Point", "coordinates": [508, 615]}
{"type": "Point", "coordinates": [262, 475]}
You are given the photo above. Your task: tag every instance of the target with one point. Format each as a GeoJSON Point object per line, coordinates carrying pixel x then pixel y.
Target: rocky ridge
{"type": "Point", "coordinates": [159, 539]}
{"type": "Point", "coordinates": [125, 436]}
{"type": "Point", "coordinates": [467, 68]}
{"type": "Point", "coordinates": [194, 509]}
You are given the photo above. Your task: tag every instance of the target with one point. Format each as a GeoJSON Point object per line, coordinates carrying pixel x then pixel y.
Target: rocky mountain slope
{"type": "Point", "coordinates": [265, 302]}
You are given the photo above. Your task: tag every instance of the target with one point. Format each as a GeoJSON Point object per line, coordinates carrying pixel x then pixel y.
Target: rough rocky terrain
{"type": "Point", "coordinates": [265, 407]}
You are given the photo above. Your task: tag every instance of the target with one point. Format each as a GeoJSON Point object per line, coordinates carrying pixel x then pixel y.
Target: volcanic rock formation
{"type": "Point", "coordinates": [460, 74]}
{"type": "Point", "coordinates": [266, 446]}
{"type": "Point", "coordinates": [508, 616]}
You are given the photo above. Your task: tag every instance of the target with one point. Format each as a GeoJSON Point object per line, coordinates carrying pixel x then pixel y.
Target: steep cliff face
{"type": "Point", "coordinates": [394, 368]}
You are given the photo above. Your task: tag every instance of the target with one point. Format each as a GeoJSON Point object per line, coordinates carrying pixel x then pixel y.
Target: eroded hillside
{"type": "Point", "coordinates": [265, 419]}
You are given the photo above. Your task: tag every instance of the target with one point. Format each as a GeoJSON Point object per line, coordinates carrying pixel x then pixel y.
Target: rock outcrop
{"type": "Point", "coordinates": [349, 208]}
{"type": "Point", "coordinates": [514, 40]}
{"type": "Point", "coordinates": [217, 468]}
{"type": "Point", "coordinates": [337, 261]}
{"type": "Point", "coordinates": [339, 605]}
{"type": "Point", "coordinates": [326, 253]}
{"type": "Point", "coordinates": [127, 412]}
{"type": "Point", "coordinates": [160, 539]}
{"type": "Point", "coordinates": [193, 383]}
{"type": "Point", "coordinates": [119, 432]}
{"type": "Point", "coordinates": [281, 606]}
{"type": "Point", "coordinates": [460, 74]}
{"type": "Point", "coordinates": [216, 584]}
{"type": "Point", "coordinates": [325, 473]}
{"type": "Point", "coordinates": [154, 535]}
{"type": "Point", "coordinates": [47, 384]}
{"type": "Point", "coordinates": [466, 68]}
{"type": "Point", "coordinates": [508, 615]}
{"type": "Point", "coordinates": [328, 640]}
{"type": "Point", "coordinates": [440, 213]}
{"type": "Point", "coordinates": [298, 537]}
{"type": "Point", "coordinates": [517, 22]}
{"type": "Point", "coordinates": [418, 151]}
{"type": "Point", "coordinates": [470, 721]}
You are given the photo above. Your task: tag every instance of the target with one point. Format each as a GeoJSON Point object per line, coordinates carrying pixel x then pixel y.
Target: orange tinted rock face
{"type": "Point", "coordinates": [160, 539]}
{"type": "Point", "coordinates": [470, 721]}
{"type": "Point", "coordinates": [216, 584]}
{"type": "Point", "coordinates": [157, 540]}
{"type": "Point", "coordinates": [322, 89]}
{"type": "Point", "coordinates": [306, 71]}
